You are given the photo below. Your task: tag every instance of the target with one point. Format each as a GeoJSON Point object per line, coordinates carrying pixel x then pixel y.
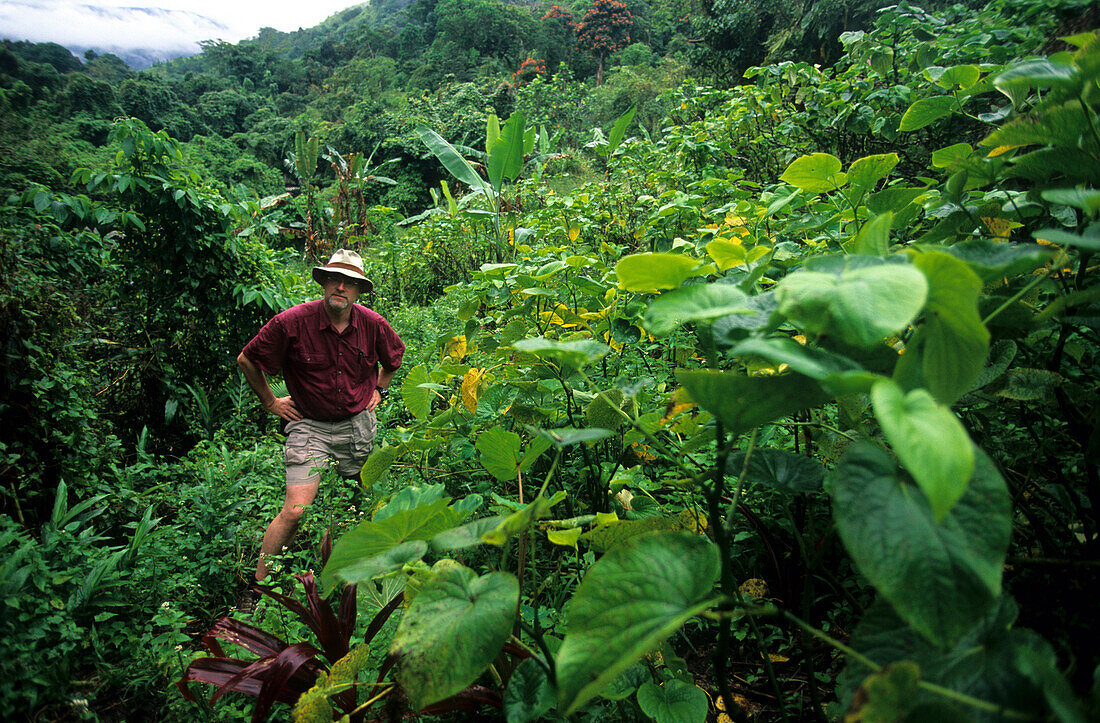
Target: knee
{"type": "Point", "coordinates": [292, 513]}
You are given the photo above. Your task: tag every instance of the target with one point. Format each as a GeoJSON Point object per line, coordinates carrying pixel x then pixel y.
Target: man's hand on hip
{"type": "Point", "coordinates": [284, 407]}
{"type": "Point", "coordinates": [374, 401]}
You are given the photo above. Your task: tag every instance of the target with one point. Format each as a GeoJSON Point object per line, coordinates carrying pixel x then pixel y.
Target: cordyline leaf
{"type": "Point", "coordinates": [318, 616]}
{"type": "Point", "coordinates": [218, 671]}
{"type": "Point", "coordinates": [247, 636]}
{"type": "Point", "coordinates": [283, 669]}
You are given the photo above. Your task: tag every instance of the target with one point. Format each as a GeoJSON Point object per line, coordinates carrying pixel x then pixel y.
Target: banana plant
{"type": "Point", "coordinates": [303, 164]}
{"type": "Point", "coordinates": [505, 147]}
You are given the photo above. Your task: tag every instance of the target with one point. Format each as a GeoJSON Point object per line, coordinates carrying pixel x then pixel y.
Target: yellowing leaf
{"type": "Point", "coordinates": [455, 348]}
{"type": "Point", "coordinates": [603, 519]}
{"type": "Point", "coordinates": [1001, 150]}
{"type": "Point", "coordinates": [754, 588]}
{"type": "Point", "coordinates": [471, 388]}
{"type": "Point", "coordinates": [1000, 228]}
{"type": "Point", "coordinates": [565, 538]}
{"type": "Point", "coordinates": [643, 452]}
{"type": "Point", "coordinates": [574, 233]}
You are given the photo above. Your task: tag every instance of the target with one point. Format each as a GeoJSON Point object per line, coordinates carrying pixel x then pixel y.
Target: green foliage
{"type": "Point", "coordinates": [857, 297]}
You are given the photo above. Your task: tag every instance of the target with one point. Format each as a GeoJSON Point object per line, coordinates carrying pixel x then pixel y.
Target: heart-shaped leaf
{"type": "Point", "coordinates": [632, 598]}
{"type": "Point", "coordinates": [454, 628]}
{"type": "Point", "coordinates": [941, 576]}
{"type": "Point", "coordinates": [929, 439]}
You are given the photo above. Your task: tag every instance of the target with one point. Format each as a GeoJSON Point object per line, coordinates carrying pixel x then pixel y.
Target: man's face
{"type": "Point", "coordinates": [340, 292]}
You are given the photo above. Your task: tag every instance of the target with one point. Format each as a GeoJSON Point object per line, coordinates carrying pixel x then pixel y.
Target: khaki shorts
{"type": "Point", "coordinates": [311, 444]}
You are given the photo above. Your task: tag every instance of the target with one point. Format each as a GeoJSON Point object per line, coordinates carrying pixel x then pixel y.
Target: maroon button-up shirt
{"type": "Point", "coordinates": [329, 374]}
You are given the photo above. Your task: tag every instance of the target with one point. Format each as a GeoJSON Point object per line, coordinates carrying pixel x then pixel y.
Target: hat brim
{"type": "Point", "coordinates": [365, 285]}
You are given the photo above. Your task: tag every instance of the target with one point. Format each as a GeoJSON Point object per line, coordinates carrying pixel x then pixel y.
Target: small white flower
{"type": "Point", "coordinates": [165, 605]}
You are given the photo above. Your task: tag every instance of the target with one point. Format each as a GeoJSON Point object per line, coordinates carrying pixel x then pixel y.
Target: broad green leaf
{"type": "Point", "coordinates": [674, 701]}
{"type": "Point", "coordinates": [1025, 384]}
{"type": "Point", "coordinates": [941, 577]}
{"type": "Point", "coordinates": [571, 354]}
{"type": "Point", "coordinates": [779, 469]}
{"type": "Point", "coordinates": [492, 132]}
{"type": "Point", "coordinates": [962, 76]}
{"type": "Point", "coordinates": [377, 464]}
{"type": "Point", "coordinates": [313, 706]}
{"type": "Point", "coordinates": [630, 600]}
{"type": "Point", "coordinates": [615, 137]}
{"type": "Point", "coordinates": [1086, 199]}
{"type": "Point", "coordinates": [499, 452]}
{"type": "Point", "coordinates": [565, 538]}
{"type": "Point", "coordinates": [888, 694]}
{"type": "Point", "coordinates": [1036, 74]}
{"type": "Point", "coordinates": [953, 343]}
{"type": "Point", "coordinates": [409, 498]}
{"type": "Point", "coordinates": [467, 535]}
{"type": "Point", "coordinates": [529, 694]}
{"type": "Point", "coordinates": [874, 238]}
{"type": "Point", "coordinates": [654, 272]}
{"type": "Point", "coordinates": [861, 306]}
{"type": "Point", "coordinates": [992, 260]}
{"type": "Point", "coordinates": [727, 254]}
{"type": "Point", "coordinates": [418, 399]}
{"type": "Point", "coordinates": [627, 683]}
{"type": "Point", "coordinates": [451, 159]}
{"type": "Point", "coordinates": [1089, 240]}
{"type": "Point", "coordinates": [947, 157]}
{"type": "Point", "coordinates": [837, 374]}
{"type": "Point", "coordinates": [931, 442]}
{"type": "Point", "coordinates": [815, 173]}
{"type": "Point", "coordinates": [376, 538]}
{"type": "Point", "coordinates": [368, 568]}
{"type": "Point", "coordinates": [604, 537]}
{"type": "Point", "coordinates": [1035, 658]}
{"type": "Point", "coordinates": [505, 159]}
{"type": "Point", "coordinates": [521, 520]}
{"type": "Point", "coordinates": [866, 172]}
{"type": "Point", "coordinates": [1000, 356]}
{"type": "Point", "coordinates": [980, 664]}
{"type": "Point", "coordinates": [926, 111]}
{"type": "Point", "coordinates": [744, 403]}
{"type": "Point", "coordinates": [699, 302]}
{"type": "Point", "coordinates": [453, 630]}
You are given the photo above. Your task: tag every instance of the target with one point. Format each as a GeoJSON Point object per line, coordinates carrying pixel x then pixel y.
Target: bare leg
{"type": "Point", "coordinates": [285, 524]}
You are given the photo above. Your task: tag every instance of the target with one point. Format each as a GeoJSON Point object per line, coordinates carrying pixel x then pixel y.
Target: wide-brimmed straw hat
{"type": "Point", "coordinates": [346, 263]}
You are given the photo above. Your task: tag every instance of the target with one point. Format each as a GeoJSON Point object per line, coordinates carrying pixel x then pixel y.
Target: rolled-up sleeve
{"type": "Point", "coordinates": [268, 348]}
{"type": "Point", "coordinates": [390, 348]}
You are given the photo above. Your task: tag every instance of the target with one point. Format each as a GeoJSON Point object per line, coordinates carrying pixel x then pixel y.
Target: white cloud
{"type": "Point", "coordinates": [175, 25]}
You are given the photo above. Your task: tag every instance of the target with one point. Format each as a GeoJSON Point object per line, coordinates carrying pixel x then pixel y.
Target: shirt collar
{"type": "Point", "coordinates": [323, 322]}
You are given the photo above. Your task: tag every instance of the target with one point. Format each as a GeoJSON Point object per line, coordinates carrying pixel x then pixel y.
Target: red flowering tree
{"type": "Point", "coordinates": [604, 29]}
{"type": "Point", "coordinates": [529, 70]}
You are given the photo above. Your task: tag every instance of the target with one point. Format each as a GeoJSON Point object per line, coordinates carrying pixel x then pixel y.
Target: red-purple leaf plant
{"type": "Point", "coordinates": [282, 672]}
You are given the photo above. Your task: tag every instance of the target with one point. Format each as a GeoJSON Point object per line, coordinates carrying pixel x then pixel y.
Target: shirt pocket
{"type": "Point", "coordinates": [309, 361]}
{"type": "Point", "coordinates": [365, 363]}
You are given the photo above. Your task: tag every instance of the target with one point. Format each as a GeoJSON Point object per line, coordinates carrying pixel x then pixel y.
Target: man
{"type": "Point", "coordinates": [337, 359]}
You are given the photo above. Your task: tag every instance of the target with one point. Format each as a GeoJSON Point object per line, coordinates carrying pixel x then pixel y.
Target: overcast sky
{"type": "Point", "coordinates": [163, 24]}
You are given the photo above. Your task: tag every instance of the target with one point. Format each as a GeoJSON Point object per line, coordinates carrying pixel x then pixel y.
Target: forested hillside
{"type": "Point", "coordinates": [750, 369]}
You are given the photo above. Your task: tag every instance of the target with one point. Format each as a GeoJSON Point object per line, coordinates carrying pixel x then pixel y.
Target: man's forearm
{"type": "Point", "coordinates": [385, 376]}
{"type": "Point", "coordinates": [257, 380]}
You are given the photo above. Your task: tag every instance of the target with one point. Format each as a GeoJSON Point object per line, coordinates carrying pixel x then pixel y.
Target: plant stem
{"type": "Point", "coordinates": [930, 687]}
{"type": "Point", "coordinates": [1022, 292]}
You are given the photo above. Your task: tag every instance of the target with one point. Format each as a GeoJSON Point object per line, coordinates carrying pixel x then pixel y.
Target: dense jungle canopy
{"type": "Point", "coordinates": [751, 365]}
